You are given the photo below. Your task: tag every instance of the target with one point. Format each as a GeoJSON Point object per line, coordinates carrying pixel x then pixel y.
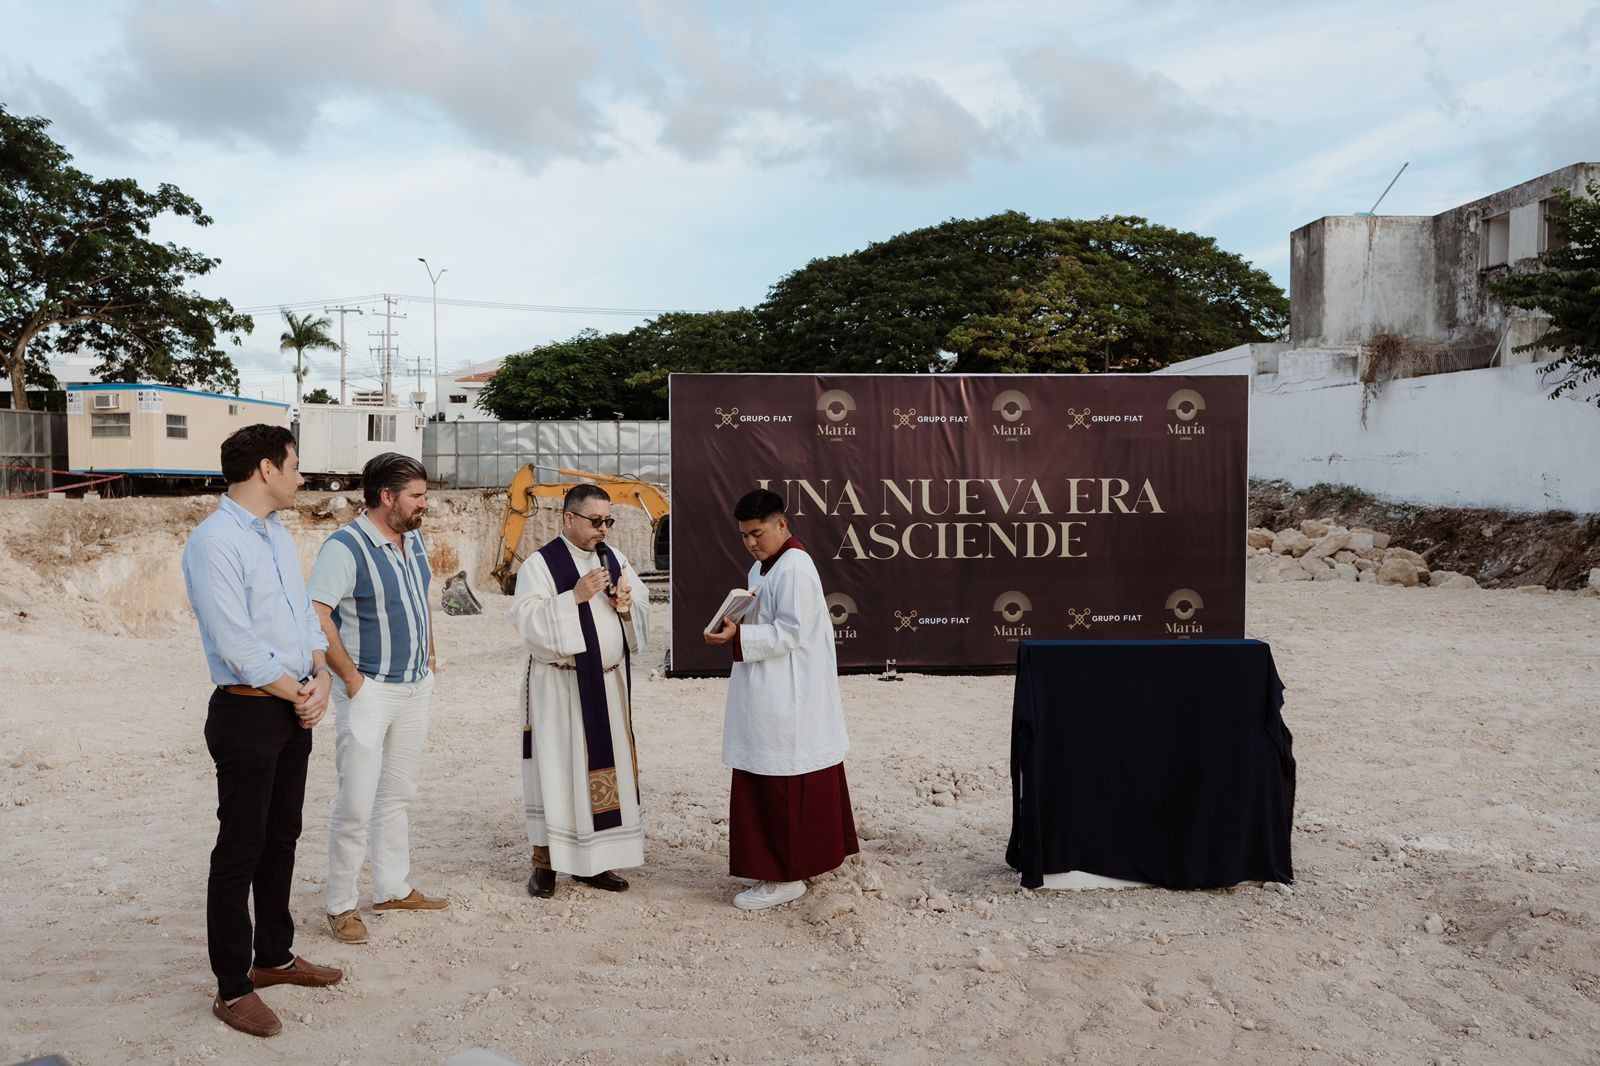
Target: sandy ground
{"type": "Point", "coordinates": [1447, 750]}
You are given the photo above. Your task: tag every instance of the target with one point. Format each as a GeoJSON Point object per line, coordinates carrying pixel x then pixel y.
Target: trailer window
{"type": "Point", "coordinates": [178, 426]}
{"type": "Point", "coordinates": [380, 427]}
{"type": "Point", "coordinates": [110, 425]}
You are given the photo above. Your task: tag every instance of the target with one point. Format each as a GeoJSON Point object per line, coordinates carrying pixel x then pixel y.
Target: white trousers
{"type": "Point", "coordinates": [380, 735]}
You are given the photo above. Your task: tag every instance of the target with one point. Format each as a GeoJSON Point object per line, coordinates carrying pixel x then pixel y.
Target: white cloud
{"type": "Point", "coordinates": [521, 81]}
{"type": "Point", "coordinates": [1087, 99]}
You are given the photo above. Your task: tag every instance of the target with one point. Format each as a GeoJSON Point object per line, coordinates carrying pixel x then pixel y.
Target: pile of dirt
{"type": "Point", "coordinates": [1500, 549]}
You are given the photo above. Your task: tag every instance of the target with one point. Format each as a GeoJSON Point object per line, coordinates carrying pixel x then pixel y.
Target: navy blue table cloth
{"type": "Point", "coordinates": [1163, 761]}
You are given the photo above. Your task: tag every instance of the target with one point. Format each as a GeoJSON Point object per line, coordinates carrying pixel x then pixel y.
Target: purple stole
{"type": "Point", "coordinates": [605, 802]}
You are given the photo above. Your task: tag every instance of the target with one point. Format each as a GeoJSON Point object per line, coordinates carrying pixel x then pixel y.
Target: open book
{"type": "Point", "coordinates": [735, 605]}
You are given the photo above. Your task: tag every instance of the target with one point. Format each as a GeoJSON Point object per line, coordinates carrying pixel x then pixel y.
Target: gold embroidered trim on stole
{"type": "Point", "coordinates": [603, 794]}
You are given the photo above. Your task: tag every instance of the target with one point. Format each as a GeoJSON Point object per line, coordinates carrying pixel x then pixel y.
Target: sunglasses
{"type": "Point", "coordinates": [595, 521]}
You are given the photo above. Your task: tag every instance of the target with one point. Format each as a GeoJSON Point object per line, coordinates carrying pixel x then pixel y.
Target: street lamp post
{"type": "Point", "coordinates": [433, 279]}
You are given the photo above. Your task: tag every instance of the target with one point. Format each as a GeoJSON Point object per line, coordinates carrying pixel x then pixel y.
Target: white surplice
{"type": "Point", "coordinates": [783, 715]}
{"type": "Point", "coordinates": [555, 782]}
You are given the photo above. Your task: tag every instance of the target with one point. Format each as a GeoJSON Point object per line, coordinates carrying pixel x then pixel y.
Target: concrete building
{"type": "Point", "coordinates": [74, 369]}
{"type": "Point", "coordinates": [1426, 278]}
{"type": "Point", "coordinates": [1473, 425]}
{"type": "Point", "coordinates": [460, 390]}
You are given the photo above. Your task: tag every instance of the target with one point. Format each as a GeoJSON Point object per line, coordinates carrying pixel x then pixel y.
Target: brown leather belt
{"type": "Point", "coordinates": [246, 690]}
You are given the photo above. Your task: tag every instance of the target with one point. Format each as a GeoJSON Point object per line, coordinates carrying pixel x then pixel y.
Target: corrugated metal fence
{"type": "Point", "coordinates": [35, 442]}
{"type": "Point", "coordinates": [465, 455]}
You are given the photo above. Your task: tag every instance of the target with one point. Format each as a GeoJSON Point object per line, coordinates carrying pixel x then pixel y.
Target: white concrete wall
{"type": "Point", "coordinates": [1475, 438]}
{"type": "Point", "coordinates": [1379, 277]}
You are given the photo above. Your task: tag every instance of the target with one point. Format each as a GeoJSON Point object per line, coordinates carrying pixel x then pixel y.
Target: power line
{"type": "Point", "coordinates": [489, 305]}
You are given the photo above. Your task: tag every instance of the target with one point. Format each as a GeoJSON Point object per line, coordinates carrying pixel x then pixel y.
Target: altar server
{"type": "Point", "coordinates": [783, 731]}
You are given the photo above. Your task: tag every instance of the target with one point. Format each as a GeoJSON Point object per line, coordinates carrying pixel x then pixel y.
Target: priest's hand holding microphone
{"type": "Point", "coordinates": [598, 580]}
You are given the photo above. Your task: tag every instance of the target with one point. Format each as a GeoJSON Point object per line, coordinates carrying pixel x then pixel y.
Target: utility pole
{"type": "Point", "coordinates": [343, 351]}
{"type": "Point", "coordinates": [433, 279]}
{"type": "Point", "coordinates": [388, 346]}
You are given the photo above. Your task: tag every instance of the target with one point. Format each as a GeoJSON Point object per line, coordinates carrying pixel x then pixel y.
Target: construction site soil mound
{"type": "Point", "coordinates": [1500, 549]}
{"type": "Point", "coordinates": [114, 565]}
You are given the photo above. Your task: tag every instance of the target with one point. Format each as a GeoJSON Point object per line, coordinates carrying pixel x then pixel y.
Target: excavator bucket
{"type": "Point", "coordinates": [457, 596]}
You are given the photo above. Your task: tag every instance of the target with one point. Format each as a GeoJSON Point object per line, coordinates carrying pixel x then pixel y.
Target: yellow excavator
{"type": "Point", "coordinates": [525, 490]}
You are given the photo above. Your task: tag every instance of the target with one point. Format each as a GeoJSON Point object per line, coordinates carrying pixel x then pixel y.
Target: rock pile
{"type": "Point", "coordinates": [1321, 550]}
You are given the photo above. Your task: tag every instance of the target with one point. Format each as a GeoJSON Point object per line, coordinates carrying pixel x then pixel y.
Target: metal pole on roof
{"type": "Point", "coordinates": [1387, 187]}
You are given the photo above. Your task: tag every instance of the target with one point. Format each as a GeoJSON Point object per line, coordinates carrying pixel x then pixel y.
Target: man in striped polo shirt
{"type": "Point", "coordinates": [370, 589]}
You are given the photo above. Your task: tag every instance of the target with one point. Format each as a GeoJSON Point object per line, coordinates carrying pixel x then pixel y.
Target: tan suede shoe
{"type": "Point", "coordinates": [248, 1015]}
{"type": "Point", "coordinates": [414, 902]}
{"type": "Point", "coordinates": [348, 928]}
{"type": "Point", "coordinates": [298, 972]}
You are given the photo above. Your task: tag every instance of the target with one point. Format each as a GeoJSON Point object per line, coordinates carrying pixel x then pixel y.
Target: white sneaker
{"type": "Point", "coordinates": [769, 894]}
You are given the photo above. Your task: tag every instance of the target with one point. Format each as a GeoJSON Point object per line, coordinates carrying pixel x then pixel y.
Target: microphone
{"type": "Point", "coordinates": [603, 553]}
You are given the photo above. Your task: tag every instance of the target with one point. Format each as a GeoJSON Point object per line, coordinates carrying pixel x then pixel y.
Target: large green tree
{"type": "Point", "coordinates": [79, 272]}
{"type": "Point", "coordinates": [686, 342]}
{"type": "Point", "coordinates": [1567, 288]}
{"type": "Point", "coordinates": [304, 332]}
{"type": "Point", "coordinates": [1010, 293]}
{"type": "Point", "coordinates": [583, 377]}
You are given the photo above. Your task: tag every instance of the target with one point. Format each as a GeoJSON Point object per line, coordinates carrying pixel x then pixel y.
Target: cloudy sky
{"type": "Point", "coordinates": [592, 163]}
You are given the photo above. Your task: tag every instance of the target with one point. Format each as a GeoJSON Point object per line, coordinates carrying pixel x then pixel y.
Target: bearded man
{"type": "Point", "coordinates": [370, 590]}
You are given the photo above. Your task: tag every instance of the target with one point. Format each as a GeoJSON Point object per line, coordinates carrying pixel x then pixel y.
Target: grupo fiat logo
{"type": "Point", "coordinates": [836, 405]}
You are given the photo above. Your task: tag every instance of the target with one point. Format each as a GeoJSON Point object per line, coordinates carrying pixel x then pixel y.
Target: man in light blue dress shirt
{"type": "Point", "coordinates": [265, 651]}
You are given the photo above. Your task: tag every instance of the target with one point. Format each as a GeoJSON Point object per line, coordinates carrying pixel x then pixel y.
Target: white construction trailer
{"type": "Point", "coordinates": [170, 440]}
{"type": "Point", "coordinates": [336, 440]}
{"type": "Point", "coordinates": [161, 437]}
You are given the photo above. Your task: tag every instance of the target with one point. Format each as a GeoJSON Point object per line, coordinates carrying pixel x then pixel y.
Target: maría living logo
{"type": "Point", "coordinates": [835, 407]}
{"type": "Point", "coordinates": [1011, 409]}
{"type": "Point", "coordinates": [1013, 607]}
{"type": "Point", "coordinates": [1185, 604]}
{"type": "Point", "coordinates": [841, 609]}
{"type": "Point", "coordinates": [1185, 406]}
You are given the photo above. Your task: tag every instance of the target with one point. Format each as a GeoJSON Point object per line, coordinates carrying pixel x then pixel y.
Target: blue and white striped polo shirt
{"type": "Point", "coordinates": [379, 596]}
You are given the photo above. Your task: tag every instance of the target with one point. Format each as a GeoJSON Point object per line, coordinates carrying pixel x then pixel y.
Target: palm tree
{"type": "Point", "coordinates": [304, 332]}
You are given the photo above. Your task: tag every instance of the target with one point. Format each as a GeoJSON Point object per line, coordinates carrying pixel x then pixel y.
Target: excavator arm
{"type": "Point", "coordinates": [525, 491]}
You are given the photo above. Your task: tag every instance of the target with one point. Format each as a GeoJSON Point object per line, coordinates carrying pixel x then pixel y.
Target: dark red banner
{"type": "Point", "coordinates": [952, 516]}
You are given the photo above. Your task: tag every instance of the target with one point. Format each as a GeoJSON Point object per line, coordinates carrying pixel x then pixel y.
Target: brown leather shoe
{"type": "Point", "coordinates": [542, 885]}
{"type": "Point", "coordinates": [248, 1015]}
{"type": "Point", "coordinates": [348, 928]}
{"type": "Point", "coordinates": [606, 881]}
{"type": "Point", "coordinates": [416, 901]}
{"type": "Point", "coordinates": [298, 972]}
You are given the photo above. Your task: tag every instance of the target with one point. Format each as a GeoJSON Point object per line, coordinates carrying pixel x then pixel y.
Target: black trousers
{"type": "Point", "coordinates": [261, 754]}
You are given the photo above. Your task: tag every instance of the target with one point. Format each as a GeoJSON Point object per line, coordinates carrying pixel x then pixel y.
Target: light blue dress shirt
{"type": "Point", "coordinates": [244, 583]}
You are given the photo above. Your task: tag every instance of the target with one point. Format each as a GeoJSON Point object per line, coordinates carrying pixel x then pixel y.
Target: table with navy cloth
{"type": "Point", "coordinates": [1161, 761]}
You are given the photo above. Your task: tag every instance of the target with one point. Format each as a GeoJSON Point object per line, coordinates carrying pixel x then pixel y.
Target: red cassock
{"type": "Point", "coordinates": [789, 828]}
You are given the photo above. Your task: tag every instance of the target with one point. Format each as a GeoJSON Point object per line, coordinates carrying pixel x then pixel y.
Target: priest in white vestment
{"type": "Point", "coordinates": [580, 623]}
{"type": "Point", "coordinates": [783, 736]}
